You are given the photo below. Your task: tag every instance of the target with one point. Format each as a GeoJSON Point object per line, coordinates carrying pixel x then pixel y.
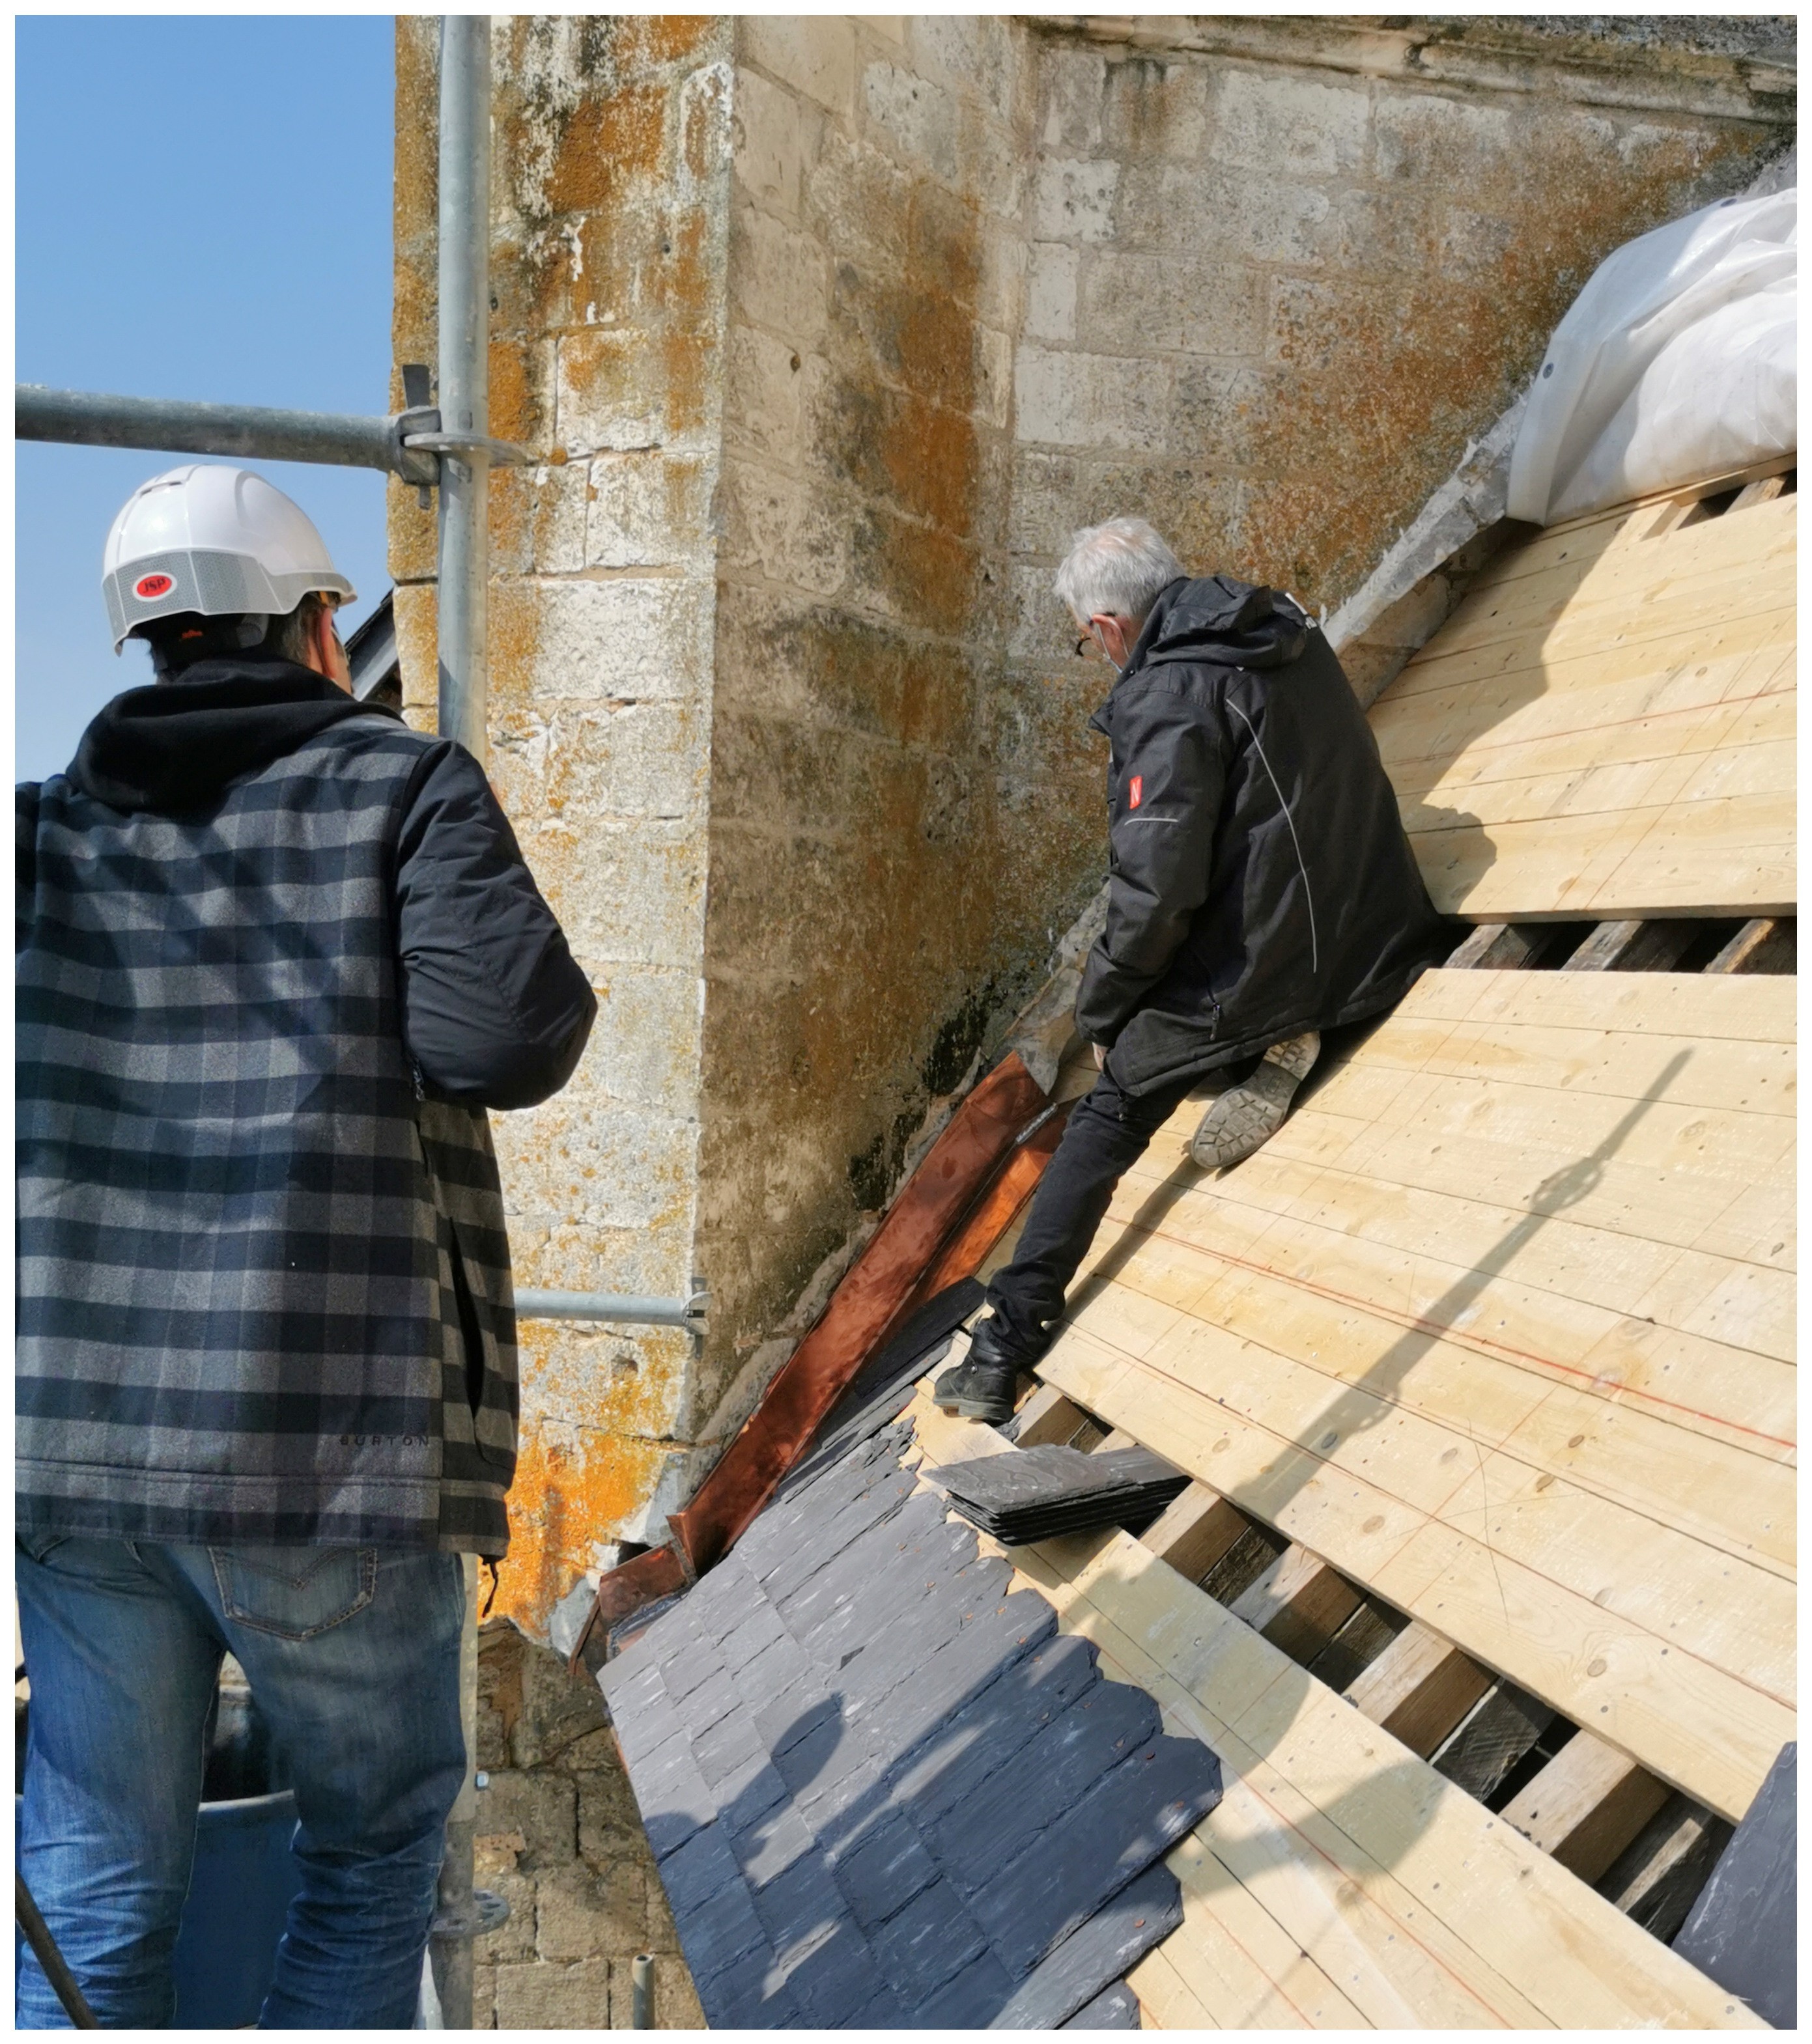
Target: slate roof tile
{"type": "Point", "coordinates": [693, 1874]}
{"type": "Point", "coordinates": [753, 1802]}
{"type": "Point", "coordinates": [927, 1942]}
{"type": "Point", "coordinates": [957, 1757]}
{"type": "Point", "coordinates": [859, 1711]}
{"type": "Point", "coordinates": [1116, 1938]}
{"type": "Point", "coordinates": [673, 1796]}
{"type": "Point", "coordinates": [834, 1976]}
{"type": "Point", "coordinates": [1127, 1820]}
{"type": "Point", "coordinates": [730, 1754]}
{"type": "Point", "coordinates": [721, 1929]}
{"type": "Point", "coordinates": [883, 1868]}
{"type": "Point", "coordinates": [1040, 1785]}
{"type": "Point", "coordinates": [769, 1847]}
{"type": "Point", "coordinates": [971, 2001]}
{"type": "Point", "coordinates": [800, 1900]}
{"type": "Point", "coordinates": [750, 1994]}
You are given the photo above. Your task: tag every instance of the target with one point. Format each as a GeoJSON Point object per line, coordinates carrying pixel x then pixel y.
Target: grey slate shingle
{"type": "Point", "coordinates": [958, 1757]}
{"type": "Point", "coordinates": [927, 1942]}
{"type": "Point", "coordinates": [852, 1709]}
{"type": "Point", "coordinates": [832, 1973]}
{"type": "Point", "coordinates": [750, 1994]}
{"type": "Point", "coordinates": [1115, 1939]}
{"type": "Point", "coordinates": [771, 1844]}
{"type": "Point", "coordinates": [673, 1796]}
{"type": "Point", "coordinates": [968, 2002]}
{"type": "Point", "coordinates": [1126, 1820]}
{"type": "Point", "coordinates": [885, 1867]}
{"type": "Point", "coordinates": [1115, 2008]}
{"type": "Point", "coordinates": [1040, 1785]}
{"type": "Point", "coordinates": [693, 1874]}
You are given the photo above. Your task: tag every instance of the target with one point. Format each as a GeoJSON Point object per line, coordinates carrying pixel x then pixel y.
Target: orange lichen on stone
{"type": "Point", "coordinates": [610, 146]}
{"type": "Point", "coordinates": [661, 38]}
{"type": "Point", "coordinates": [570, 1483]}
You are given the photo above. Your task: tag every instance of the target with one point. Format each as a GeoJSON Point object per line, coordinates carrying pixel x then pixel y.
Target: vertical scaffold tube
{"type": "Point", "coordinates": [464, 277]}
{"type": "Point", "coordinates": [465, 376]}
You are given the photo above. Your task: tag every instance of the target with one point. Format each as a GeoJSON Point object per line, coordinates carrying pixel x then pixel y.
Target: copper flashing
{"type": "Point", "coordinates": [627, 1588]}
{"type": "Point", "coordinates": [994, 1212]}
{"type": "Point", "coordinates": [880, 1287]}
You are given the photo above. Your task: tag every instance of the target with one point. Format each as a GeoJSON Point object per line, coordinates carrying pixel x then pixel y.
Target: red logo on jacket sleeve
{"type": "Point", "coordinates": [1137, 790]}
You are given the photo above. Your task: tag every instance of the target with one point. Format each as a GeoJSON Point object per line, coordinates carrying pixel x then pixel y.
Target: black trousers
{"type": "Point", "coordinates": [1107, 1131]}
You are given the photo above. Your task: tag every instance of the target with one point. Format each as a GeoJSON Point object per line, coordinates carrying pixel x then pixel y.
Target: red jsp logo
{"type": "Point", "coordinates": [149, 588]}
{"type": "Point", "coordinates": [1137, 790]}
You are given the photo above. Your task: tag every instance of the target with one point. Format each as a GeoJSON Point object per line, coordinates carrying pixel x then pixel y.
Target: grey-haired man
{"type": "Point", "coordinates": [1261, 889]}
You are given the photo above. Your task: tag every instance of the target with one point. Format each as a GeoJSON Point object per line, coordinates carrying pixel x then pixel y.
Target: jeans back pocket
{"type": "Point", "coordinates": [291, 1591]}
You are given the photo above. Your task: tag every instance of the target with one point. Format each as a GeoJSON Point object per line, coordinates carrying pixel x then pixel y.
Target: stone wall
{"type": "Point", "coordinates": [560, 1837]}
{"type": "Point", "coordinates": [827, 331]}
{"type": "Point", "coordinates": [864, 905]}
{"type": "Point", "coordinates": [1282, 272]}
{"type": "Point", "coordinates": [610, 191]}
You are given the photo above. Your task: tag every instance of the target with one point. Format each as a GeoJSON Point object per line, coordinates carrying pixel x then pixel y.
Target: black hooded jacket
{"type": "Point", "coordinates": [1259, 881]}
{"type": "Point", "coordinates": [496, 1012]}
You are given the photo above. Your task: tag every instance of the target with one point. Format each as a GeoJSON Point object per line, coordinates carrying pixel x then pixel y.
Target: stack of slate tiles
{"type": "Point", "coordinates": [882, 1790]}
{"type": "Point", "coordinates": [1043, 1493]}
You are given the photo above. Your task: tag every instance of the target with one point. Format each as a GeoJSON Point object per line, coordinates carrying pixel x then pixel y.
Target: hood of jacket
{"type": "Point", "coordinates": [1219, 619]}
{"type": "Point", "coordinates": [178, 744]}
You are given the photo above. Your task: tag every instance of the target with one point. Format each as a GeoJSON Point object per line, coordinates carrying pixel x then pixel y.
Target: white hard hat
{"type": "Point", "coordinates": [214, 540]}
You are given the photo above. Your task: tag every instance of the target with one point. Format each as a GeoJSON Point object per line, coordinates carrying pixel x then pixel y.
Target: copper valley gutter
{"type": "Point", "coordinates": [948, 1215]}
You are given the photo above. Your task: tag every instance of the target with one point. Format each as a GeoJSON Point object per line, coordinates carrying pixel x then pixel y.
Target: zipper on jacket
{"type": "Point", "coordinates": [1302, 864]}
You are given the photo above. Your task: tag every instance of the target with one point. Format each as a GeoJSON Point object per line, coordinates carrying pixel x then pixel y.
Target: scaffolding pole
{"type": "Point", "coordinates": [464, 265]}
{"type": "Point", "coordinates": [464, 568]}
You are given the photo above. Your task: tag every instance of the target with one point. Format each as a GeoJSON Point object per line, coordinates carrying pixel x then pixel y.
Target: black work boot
{"type": "Point", "coordinates": [981, 1386]}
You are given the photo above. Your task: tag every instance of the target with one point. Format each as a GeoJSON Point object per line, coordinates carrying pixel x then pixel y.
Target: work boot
{"type": "Point", "coordinates": [1246, 1116]}
{"type": "Point", "coordinates": [982, 1385]}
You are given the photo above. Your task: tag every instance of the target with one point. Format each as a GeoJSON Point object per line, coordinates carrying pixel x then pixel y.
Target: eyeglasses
{"type": "Point", "coordinates": [1089, 647]}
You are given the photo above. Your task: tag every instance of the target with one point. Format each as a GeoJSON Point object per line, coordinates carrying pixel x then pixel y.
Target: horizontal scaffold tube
{"type": "Point", "coordinates": [623, 1308]}
{"type": "Point", "coordinates": [97, 418]}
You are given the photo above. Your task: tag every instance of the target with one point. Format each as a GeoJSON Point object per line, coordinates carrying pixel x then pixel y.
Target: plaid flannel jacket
{"type": "Point", "coordinates": [264, 1288]}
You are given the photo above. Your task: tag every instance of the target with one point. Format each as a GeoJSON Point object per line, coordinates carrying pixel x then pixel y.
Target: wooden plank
{"type": "Point", "coordinates": [1500, 1327]}
{"type": "Point", "coordinates": [1708, 1732]}
{"type": "Point", "coordinates": [1250, 1558]}
{"type": "Point", "coordinates": [1047, 1417]}
{"type": "Point", "coordinates": [1194, 1530]}
{"type": "Point", "coordinates": [1586, 1805]}
{"type": "Point", "coordinates": [1367, 1635]}
{"type": "Point", "coordinates": [1499, 947]}
{"type": "Point", "coordinates": [1165, 2002]}
{"type": "Point", "coordinates": [1421, 1906]}
{"type": "Point", "coordinates": [1601, 730]}
{"type": "Point", "coordinates": [1658, 1877]}
{"type": "Point", "coordinates": [1763, 491]}
{"type": "Point", "coordinates": [1765, 944]}
{"type": "Point", "coordinates": [1490, 1740]}
{"type": "Point", "coordinates": [1633, 946]}
{"type": "Point", "coordinates": [1419, 1689]}
{"type": "Point", "coordinates": [1297, 1604]}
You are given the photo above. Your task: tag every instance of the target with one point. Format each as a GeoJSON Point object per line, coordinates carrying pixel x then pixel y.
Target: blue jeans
{"type": "Point", "coordinates": [353, 1656]}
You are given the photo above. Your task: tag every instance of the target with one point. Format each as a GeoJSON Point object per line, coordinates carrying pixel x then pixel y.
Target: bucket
{"type": "Point", "coordinates": [245, 1875]}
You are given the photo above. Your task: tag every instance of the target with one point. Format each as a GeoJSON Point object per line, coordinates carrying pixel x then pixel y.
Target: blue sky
{"type": "Point", "coordinates": [202, 210]}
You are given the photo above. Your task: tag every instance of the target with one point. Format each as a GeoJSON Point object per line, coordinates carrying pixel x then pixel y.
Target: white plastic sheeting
{"type": "Point", "coordinates": [1675, 364]}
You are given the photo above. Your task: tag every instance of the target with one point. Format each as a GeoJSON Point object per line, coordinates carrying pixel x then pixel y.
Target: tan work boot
{"type": "Point", "coordinates": [1245, 1117]}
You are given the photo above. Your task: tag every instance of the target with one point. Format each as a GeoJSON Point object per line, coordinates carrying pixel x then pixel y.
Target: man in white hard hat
{"type": "Point", "coordinates": [277, 954]}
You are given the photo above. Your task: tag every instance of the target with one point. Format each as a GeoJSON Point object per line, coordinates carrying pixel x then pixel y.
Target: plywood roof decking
{"type": "Point", "coordinates": [1605, 727]}
{"type": "Point", "coordinates": [1501, 1325]}
{"type": "Point", "coordinates": [1341, 1883]}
